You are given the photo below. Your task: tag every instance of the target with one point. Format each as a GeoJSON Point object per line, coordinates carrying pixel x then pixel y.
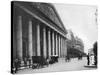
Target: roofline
{"type": "Point", "coordinates": [58, 17]}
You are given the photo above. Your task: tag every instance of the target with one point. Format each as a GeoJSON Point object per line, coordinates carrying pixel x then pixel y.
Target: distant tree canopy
{"type": "Point", "coordinates": [95, 48]}
{"type": "Point", "coordinates": [75, 45]}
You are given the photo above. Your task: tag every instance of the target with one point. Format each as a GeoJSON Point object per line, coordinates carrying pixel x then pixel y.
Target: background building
{"type": "Point", "coordinates": [75, 46]}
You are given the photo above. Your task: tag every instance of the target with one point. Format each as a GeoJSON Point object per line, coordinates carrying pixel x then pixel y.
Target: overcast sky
{"type": "Point", "coordinates": [81, 20]}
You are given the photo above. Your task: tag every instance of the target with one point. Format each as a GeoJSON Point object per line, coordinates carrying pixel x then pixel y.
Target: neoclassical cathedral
{"type": "Point", "coordinates": [37, 31]}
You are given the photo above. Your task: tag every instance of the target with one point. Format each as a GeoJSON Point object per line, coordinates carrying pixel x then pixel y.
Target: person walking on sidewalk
{"type": "Point", "coordinates": [88, 60]}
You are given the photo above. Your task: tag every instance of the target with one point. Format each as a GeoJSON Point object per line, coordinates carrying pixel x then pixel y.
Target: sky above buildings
{"type": "Point", "coordinates": [81, 20]}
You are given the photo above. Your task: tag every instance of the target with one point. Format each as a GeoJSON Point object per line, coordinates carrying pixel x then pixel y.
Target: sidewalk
{"type": "Point", "coordinates": [74, 64]}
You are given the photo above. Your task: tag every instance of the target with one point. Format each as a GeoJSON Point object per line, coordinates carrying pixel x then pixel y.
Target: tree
{"type": "Point", "coordinates": [75, 45]}
{"type": "Point", "coordinates": [95, 53]}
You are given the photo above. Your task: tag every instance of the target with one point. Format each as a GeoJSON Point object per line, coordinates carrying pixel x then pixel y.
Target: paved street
{"type": "Point", "coordinates": [74, 64]}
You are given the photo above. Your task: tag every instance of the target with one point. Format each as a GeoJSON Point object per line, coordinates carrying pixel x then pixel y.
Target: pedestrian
{"type": "Point", "coordinates": [67, 58]}
{"type": "Point", "coordinates": [88, 60]}
{"type": "Point", "coordinates": [78, 57]}
{"type": "Point", "coordinates": [30, 62]}
{"type": "Point", "coordinates": [25, 62]}
{"type": "Point", "coordinates": [16, 65]}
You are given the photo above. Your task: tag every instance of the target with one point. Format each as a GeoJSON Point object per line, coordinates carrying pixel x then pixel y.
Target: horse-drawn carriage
{"type": "Point", "coordinates": [39, 61]}
{"type": "Point", "coordinates": [53, 59]}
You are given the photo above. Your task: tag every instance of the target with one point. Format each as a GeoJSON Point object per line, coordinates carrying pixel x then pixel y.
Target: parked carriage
{"type": "Point", "coordinates": [53, 59]}
{"type": "Point", "coordinates": [39, 61]}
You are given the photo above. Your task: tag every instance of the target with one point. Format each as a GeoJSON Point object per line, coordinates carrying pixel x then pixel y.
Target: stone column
{"type": "Point", "coordinates": [66, 47]}
{"type": "Point", "coordinates": [30, 41]}
{"type": "Point", "coordinates": [56, 45]}
{"type": "Point", "coordinates": [59, 46]}
{"type": "Point", "coordinates": [38, 40]}
{"type": "Point", "coordinates": [53, 43]}
{"type": "Point", "coordinates": [49, 43]}
{"type": "Point", "coordinates": [44, 43]}
{"type": "Point", "coordinates": [19, 40]}
{"type": "Point", "coordinates": [62, 47]}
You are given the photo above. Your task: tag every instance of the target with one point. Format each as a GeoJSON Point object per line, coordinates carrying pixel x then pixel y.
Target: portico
{"type": "Point", "coordinates": [36, 34]}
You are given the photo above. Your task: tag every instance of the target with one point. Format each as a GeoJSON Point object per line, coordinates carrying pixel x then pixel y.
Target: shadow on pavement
{"type": "Point", "coordinates": [90, 66]}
